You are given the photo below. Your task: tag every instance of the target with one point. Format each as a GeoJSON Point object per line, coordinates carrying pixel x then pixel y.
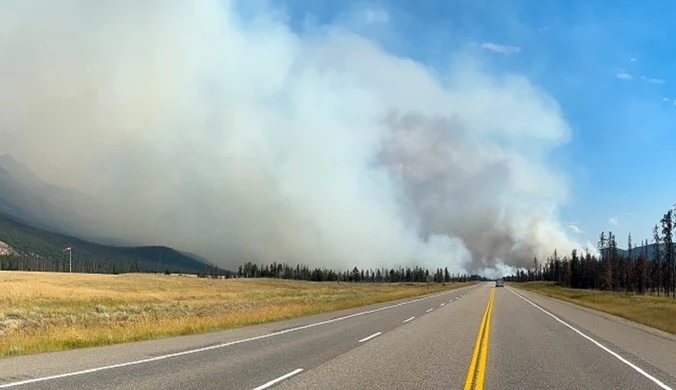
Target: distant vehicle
{"type": "Point", "coordinates": [500, 283]}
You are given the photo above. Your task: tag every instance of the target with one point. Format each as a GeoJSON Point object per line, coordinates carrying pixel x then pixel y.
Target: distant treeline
{"type": "Point", "coordinates": [377, 275]}
{"type": "Point", "coordinates": [35, 263]}
{"type": "Point", "coordinates": [649, 268]}
{"type": "Point", "coordinates": [111, 266]}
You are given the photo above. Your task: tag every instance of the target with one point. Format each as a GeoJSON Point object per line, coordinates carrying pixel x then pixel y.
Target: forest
{"type": "Point", "coordinates": [646, 269]}
{"type": "Point", "coordinates": [377, 275]}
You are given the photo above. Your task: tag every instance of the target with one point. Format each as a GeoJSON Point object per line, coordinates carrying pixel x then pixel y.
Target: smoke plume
{"type": "Point", "coordinates": [240, 139]}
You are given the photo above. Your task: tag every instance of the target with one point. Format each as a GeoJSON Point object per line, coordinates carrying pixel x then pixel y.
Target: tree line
{"type": "Point", "coordinates": [97, 266]}
{"type": "Point", "coordinates": [377, 275]}
{"type": "Point", "coordinates": [647, 269]}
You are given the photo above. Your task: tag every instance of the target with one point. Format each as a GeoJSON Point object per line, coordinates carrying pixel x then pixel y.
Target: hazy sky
{"type": "Point", "coordinates": [609, 68]}
{"type": "Point", "coordinates": [462, 134]}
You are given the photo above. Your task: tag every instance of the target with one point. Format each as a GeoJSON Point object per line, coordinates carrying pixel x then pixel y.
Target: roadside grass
{"type": "Point", "coordinates": [653, 311]}
{"type": "Point", "coordinates": [42, 312]}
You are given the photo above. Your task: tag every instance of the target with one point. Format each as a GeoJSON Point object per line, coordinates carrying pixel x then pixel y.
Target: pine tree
{"type": "Point", "coordinates": [641, 274]}
{"type": "Point", "coordinates": [575, 270]}
{"type": "Point", "coordinates": [606, 277]}
{"type": "Point", "coordinates": [536, 268]}
{"type": "Point", "coordinates": [657, 259]}
{"type": "Point", "coordinates": [630, 268]}
{"type": "Point", "coordinates": [602, 245]}
{"type": "Point", "coordinates": [616, 272]}
{"type": "Point", "coordinates": [667, 226]}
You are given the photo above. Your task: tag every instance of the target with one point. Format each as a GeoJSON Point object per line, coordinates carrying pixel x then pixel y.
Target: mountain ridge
{"type": "Point", "coordinates": [31, 243]}
{"type": "Point", "coordinates": [25, 196]}
{"type": "Point", "coordinates": [28, 202]}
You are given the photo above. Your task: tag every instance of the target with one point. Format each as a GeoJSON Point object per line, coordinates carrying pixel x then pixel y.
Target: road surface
{"type": "Point", "coordinates": [476, 337]}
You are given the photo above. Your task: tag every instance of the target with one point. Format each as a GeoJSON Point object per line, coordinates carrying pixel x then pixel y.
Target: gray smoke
{"type": "Point", "coordinates": [240, 139]}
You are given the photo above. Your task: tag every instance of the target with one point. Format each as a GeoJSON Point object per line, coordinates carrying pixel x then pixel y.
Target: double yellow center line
{"type": "Point", "coordinates": [477, 367]}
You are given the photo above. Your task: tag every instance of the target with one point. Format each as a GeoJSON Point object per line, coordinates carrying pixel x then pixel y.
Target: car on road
{"type": "Point", "coordinates": [500, 283]}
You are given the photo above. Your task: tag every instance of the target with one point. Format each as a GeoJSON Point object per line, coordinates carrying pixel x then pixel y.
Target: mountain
{"type": "Point", "coordinates": [636, 251]}
{"type": "Point", "coordinates": [31, 243]}
{"type": "Point", "coordinates": [25, 196]}
{"type": "Point", "coordinates": [196, 257]}
{"type": "Point", "coordinates": [41, 218]}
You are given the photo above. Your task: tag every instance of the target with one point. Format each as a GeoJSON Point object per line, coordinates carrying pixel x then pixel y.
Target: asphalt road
{"type": "Point", "coordinates": [471, 338]}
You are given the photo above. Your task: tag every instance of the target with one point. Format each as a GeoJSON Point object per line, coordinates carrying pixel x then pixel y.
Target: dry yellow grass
{"type": "Point", "coordinates": [653, 311]}
{"type": "Point", "coordinates": [42, 312]}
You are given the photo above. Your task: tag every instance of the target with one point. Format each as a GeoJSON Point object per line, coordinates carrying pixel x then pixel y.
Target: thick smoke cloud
{"type": "Point", "coordinates": [240, 139]}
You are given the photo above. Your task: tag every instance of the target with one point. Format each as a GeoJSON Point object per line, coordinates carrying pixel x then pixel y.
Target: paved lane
{"type": "Point", "coordinates": [530, 349]}
{"type": "Point", "coordinates": [526, 349]}
{"type": "Point", "coordinates": [433, 354]}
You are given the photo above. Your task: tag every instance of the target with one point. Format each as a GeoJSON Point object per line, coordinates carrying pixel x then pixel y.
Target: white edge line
{"type": "Point", "coordinates": [409, 319]}
{"type": "Point", "coordinates": [616, 355]}
{"type": "Point", "coordinates": [370, 337]}
{"type": "Point", "coordinates": [281, 378]}
{"type": "Point", "coordinates": [429, 310]}
{"type": "Point", "coordinates": [218, 346]}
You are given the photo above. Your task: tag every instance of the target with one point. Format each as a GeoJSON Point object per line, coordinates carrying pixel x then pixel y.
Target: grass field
{"type": "Point", "coordinates": [656, 312]}
{"type": "Point", "coordinates": [55, 311]}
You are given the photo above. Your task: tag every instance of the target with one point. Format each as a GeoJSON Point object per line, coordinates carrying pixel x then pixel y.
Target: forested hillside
{"type": "Point", "coordinates": [37, 249]}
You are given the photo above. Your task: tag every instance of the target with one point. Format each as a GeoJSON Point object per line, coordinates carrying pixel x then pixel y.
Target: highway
{"type": "Point", "coordinates": [472, 338]}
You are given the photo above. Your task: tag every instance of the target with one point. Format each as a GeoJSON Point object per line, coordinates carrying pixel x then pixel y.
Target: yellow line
{"type": "Point", "coordinates": [469, 378]}
{"type": "Point", "coordinates": [484, 348]}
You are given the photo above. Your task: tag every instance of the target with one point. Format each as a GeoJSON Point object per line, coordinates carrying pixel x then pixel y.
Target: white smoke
{"type": "Point", "coordinates": [240, 139]}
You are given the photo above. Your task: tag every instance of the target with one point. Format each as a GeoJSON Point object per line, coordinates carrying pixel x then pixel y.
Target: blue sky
{"type": "Point", "coordinates": [611, 68]}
